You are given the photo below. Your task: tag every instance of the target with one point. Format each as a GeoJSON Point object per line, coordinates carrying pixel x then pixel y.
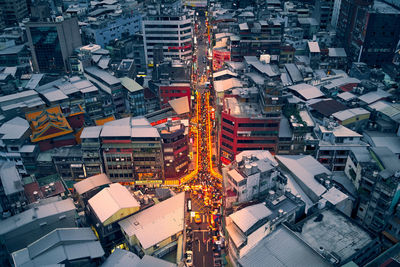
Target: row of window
{"type": "Point", "coordinates": [256, 141]}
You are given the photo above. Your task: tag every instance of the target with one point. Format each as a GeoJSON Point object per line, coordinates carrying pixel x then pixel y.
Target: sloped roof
{"type": "Point", "coordinates": [180, 105]}
{"type": "Point", "coordinates": [223, 85]}
{"type": "Point", "coordinates": [304, 168]}
{"type": "Point", "coordinates": [247, 217]}
{"type": "Point", "coordinates": [10, 178]}
{"type": "Point", "coordinates": [48, 124]}
{"type": "Point", "coordinates": [314, 47]}
{"type": "Point", "coordinates": [374, 96]}
{"type": "Point", "coordinates": [328, 107]}
{"type": "Point", "coordinates": [60, 246]}
{"type": "Point", "coordinates": [92, 182]}
{"type": "Point", "coordinates": [130, 84]}
{"type": "Point", "coordinates": [14, 128]}
{"type": "Point", "coordinates": [306, 91]}
{"type": "Point", "coordinates": [102, 121]}
{"type": "Point", "coordinates": [123, 258]}
{"type": "Point", "coordinates": [110, 200]}
{"type": "Point", "coordinates": [165, 218]}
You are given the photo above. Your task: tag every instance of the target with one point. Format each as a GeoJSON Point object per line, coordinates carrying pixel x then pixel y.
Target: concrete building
{"type": "Point", "coordinates": [67, 246]}
{"type": "Point", "coordinates": [246, 126]}
{"type": "Point", "coordinates": [252, 175]}
{"type": "Point", "coordinates": [106, 209]}
{"type": "Point", "coordinates": [282, 248]}
{"type": "Point", "coordinates": [91, 150]}
{"type": "Point", "coordinates": [335, 143]}
{"type": "Point", "coordinates": [337, 238]}
{"type": "Point", "coordinates": [165, 218]}
{"type": "Point", "coordinates": [110, 27]}
{"type": "Point", "coordinates": [175, 149]}
{"type": "Point", "coordinates": [52, 43]}
{"type": "Point", "coordinates": [260, 37]}
{"type": "Point", "coordinates": [135, 96]}
{"type": "Point", "coordinates": [378, 188]}
{"type": "Point", "coordinates": [169, 24]}
{"type": "Point", "coordinates": [323, 13]}
{"type": "Point", "coordinates": [368, 30]}
{"type": "Point", "coordinates": [13, 12]}
{"type": "Point", "coordinates": [112, 87]}
{"type": "Point", "coordinates": [250, 225]}
{"type": "Point", "coordinates": [12, 196]}
{"type": "Point", "coordinates": [137, 155]}
{"type": "Point", "coordinates": [129, 148]}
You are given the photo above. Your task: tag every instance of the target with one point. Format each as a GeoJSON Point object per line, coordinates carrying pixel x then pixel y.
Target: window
{"type": "Point", "coordinates": [229, 122]}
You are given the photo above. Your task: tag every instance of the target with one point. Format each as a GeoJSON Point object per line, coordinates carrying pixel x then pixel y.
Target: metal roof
{"type": "Point", "coordinates": [123, 258]}
{"type": "Point", "coordinates": [110, 200]}
{"type": "Point", "coordinates": [10, 178]}
{"type": "Point", "coordinates": [91, 132]}
{"type": "Point", "coordinates": [130, 84]}
{"type": "Point", "coordinates": [102, 75]}
{"type": "Point", "coordinates": [307, 91]}
{"type": "Point", "coordinates": [374, 96]}
{"type": "Point", "coordinates": [92, 182]}
{"type": "Point", "coordinates": [249, 216]}
{"type": "Point", "coordinates": [314, 47]}
{"type": "Point", "coordinates": [14, 128]}
{"type": "Point", "coordinates": [180, 105]}
{"type": "Point", "coordinates": [337, 52]}
{"type": "Point", "coordinates": [304, 168]}
{"type": "Point", "coordinates": [26, 217]}
{"type": "Point", "coordinates": [165, 218]}
{"type": "Point", "coordinates": [60, 246]}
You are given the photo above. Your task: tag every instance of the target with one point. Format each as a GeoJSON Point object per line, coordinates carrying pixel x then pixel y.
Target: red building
{"type": "Point", "coordinates": [219, 57]}
{"type": "Point", "coordinates": [245, 127]}
{"type": "Point", "coordinates": [175, 149]}
{"type": "Point", "coordinates": [172, 91]}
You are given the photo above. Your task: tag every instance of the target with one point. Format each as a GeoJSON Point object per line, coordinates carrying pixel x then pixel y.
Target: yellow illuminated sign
{"type": "Point", "coordinates": [141, 182]}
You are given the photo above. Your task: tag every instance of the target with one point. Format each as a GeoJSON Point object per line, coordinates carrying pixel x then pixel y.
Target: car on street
{"type": "Point", "coordinates": [197, 218]}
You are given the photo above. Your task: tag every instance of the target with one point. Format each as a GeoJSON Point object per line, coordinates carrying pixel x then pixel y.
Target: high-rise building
{"type": "Point", "coordinates": [323, 12]}
{"type": "Point", "coordinates": [51, 43]}
{"type": "Point", "coordinates": [169, 24]}
{"type": "Point", "coordinates": [245, 126]}
{"type": "Point", "coordinates": [369, 30]}
{"type": "Point", "coordinates": [13, 11]}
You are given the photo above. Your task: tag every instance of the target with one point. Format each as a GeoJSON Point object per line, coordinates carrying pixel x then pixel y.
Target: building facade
{"type": "Point", "coordinates": [244, 127]}
{"type": "Point", "coordinates": [51, 43]}
{"type": "Point", "coordinates": [168, 24]}
{"type": "Point", "coordinates": [104, 30]}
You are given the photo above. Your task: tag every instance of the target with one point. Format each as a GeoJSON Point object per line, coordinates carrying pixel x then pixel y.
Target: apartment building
{"type": "Point", "coordinates": [245, 126]}
{"type": "Point", "coordinates": [169, 24]}
{"type": "Point", "coordinates": [335, 143]}
{"type": "Point", "coordinates": [110, 27]}
{"type": "Point", "coordinates": [250, 176]}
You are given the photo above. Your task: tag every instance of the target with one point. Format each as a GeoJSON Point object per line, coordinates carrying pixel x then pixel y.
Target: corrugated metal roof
{"type": "Point", "coordinates": [110, 200]}
{"type": "Point", "coordinates": [247, 217]}
{"type": "Point", "coordinates": [92, 182]}
{"type": "Point", "coordinates": [165, 218]}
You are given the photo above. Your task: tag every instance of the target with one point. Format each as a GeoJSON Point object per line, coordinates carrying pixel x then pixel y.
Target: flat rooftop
{"type": "Point", "coordinates": [245, 110]}
{"type": "Point", "coordinates": [334, 233]}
